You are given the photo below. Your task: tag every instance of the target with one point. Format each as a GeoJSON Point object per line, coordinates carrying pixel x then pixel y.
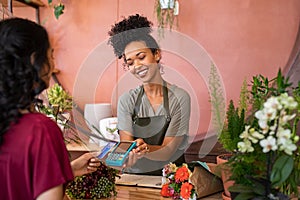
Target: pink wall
{"type": "Point", "coordinates": [242, 38]}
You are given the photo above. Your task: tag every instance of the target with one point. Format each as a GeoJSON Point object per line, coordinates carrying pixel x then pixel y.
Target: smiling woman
{"type": "Point", "coordinates": [156, 115]}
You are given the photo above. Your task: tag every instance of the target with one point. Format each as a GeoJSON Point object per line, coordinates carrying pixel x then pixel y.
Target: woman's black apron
{"type": "Point", "coordinates": [152, 130]}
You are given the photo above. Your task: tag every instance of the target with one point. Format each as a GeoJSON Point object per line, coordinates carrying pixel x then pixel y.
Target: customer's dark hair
{"type": "Point", "coordinates": [133, 28]}
{"type": "Point", "coordinates": [23, 56]}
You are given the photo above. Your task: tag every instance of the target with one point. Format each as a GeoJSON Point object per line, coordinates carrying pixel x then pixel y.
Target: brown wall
{"type": "Point", "coordinates": [241, 37]}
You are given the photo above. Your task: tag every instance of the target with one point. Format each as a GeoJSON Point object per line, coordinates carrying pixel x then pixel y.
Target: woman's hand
{"type": "Point", "coordinates": [142, 147]}
{"type": "Point", "coordinates": [86, 163]}
{"type": "Point", "coordinates": [137, 153]}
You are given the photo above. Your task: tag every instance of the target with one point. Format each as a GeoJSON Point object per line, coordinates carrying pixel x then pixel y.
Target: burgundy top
{"type": "Point", "coordinates": [33, 158]}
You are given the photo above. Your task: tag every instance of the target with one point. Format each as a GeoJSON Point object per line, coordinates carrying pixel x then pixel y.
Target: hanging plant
{"type": "Point", "coordinates": [58, 8]}
{"type": "Point", "coordinates": [166, 13]}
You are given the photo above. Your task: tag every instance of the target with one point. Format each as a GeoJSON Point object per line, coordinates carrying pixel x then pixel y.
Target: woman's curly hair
{"type": "Point", "coordinates": [23, 56]}
{"type": "Point", "coordinates": [133, 28]}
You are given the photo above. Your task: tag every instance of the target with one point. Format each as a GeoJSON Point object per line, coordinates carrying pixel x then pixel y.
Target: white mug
{"type": "Point", "coordinates": [93, 113]}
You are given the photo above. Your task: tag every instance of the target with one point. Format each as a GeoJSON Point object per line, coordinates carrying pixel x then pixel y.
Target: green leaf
{"type": "Point", "coordinates": [49, 1]}
{"type": "Point", "coordinates": [240, 188]}
{"type": "Point", "coordinates": [245, 196]}
{"type": "Point", "coordinates": [281, 170]}
{"type": "Point", "coordinates": [59, 10]}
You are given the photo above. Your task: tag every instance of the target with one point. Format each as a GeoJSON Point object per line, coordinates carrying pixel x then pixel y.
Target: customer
{"type": "Point", "coordinates": [164, 105]}
{"type": "Point", "coordinates": [34, 162]}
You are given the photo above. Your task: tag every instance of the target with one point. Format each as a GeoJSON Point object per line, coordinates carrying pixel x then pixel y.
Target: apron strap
{"type": "Point", "coordinates": [139, 100]}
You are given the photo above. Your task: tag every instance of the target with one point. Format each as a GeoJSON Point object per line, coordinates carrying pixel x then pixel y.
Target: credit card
{"type": "Point", "coordinates": [106, 149]}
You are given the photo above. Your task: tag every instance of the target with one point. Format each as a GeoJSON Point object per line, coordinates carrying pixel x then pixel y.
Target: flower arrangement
{"type": "Point", "coordinates": [95, 185]}
{"type": "Point", "coordinates": [177, 184]}
{"type": "Point", "coordinates": [266, 163]}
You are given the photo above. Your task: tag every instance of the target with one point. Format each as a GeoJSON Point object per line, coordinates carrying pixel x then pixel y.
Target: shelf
{"type": "Point", "coordinates": [32, 3]}
{"type": "Point", "coordinates": [22, 3]}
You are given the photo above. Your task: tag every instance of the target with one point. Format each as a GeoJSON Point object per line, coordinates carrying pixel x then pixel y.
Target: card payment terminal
{"type": "Point", "coordinates": [120, 153]}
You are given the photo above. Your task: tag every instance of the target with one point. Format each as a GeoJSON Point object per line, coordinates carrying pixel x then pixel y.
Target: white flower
{"type": "Point", "coordinates": [245, 133]}
{"type": "Point", "coordinates": [283, 133]}
{"type": "Point", "coordinates": [272, 104]}
{"type": "Point", "coordinates": [262, 120]}
{"type": "Point", "coordinates": [255, 135]}
{"type": "Point", "coordinates": [288, 102]}
{"type": "Point", "coordinates": [268, 144]}
{"type": "Point", "coordinates": [285, 118]}
{"type": "Point", "coordinates": [260, 115]}
{"type": "Point", "coordinates": [287, 146]}
{"type": "Point", "coordinates": [263, 124]}
{"type": "Point", "coordinates": [273, 129]}
{"type": "Point", "coordinates": [245, 146]}
{"type": "Point", "coordinates": [270, 113]}
{"type": "Point", "coordinates": [251, 134]}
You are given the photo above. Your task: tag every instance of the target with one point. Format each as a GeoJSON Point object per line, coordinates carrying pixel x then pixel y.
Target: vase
{"type": "Point", "coordinates": [167, 4]}
{"type": "Point", "coordinates": [225, 174]}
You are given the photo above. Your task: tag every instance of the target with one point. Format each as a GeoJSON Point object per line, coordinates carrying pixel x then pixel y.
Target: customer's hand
{"type": "Point", "coordinates": [86, 163]}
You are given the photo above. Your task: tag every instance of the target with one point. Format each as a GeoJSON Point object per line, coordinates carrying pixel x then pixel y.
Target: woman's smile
{"type": "Point", "coordinates": [142, 71]}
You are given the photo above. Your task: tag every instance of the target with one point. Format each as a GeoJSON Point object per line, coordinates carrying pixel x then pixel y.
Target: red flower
{"type": "Point", "coordinates": [182, 174]}
{"type": "Point", "coordinates": [185, 190]}
{"type": "Point", "coordinates": [165, 192]}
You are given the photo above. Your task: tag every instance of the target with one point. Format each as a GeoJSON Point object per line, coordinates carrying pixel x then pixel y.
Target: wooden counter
{"type": "Point", "coordinates": [142, 193]}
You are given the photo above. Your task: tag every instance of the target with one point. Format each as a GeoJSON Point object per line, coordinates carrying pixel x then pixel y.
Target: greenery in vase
{"type": "Point", "coordinates": [217, 99]}
{"type": "Point", "coordinates": [58, 105]}
{"type": "Point", "coordinates": [95, 185]}
{"type": "Point", "coordinates": [59, 101]}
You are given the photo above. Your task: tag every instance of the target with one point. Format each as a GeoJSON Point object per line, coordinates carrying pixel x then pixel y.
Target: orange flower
{"type": "Point", "coordinates": [185, 190]}
{"type": "Point", "coordinates": [182, 174]}
{"type": "Point", "coordinates": [165, 192]}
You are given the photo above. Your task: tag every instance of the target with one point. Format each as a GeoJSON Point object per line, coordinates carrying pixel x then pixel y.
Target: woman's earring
{"type": "Point", "coordinates": [161, 68]}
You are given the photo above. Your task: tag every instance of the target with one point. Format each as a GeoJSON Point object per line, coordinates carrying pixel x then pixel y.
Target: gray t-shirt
{"type": "Point", "coordinates": [179, 107]}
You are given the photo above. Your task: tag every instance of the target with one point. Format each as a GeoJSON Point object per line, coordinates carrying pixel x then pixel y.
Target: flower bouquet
{"type": "Point", "coordinates": [266, 163]}
{"type": "Point", "coordinates": [177, 184]}
{"type": "Point", "coordinates": [95, 185]}
{"type": "Point", "coordinates": [190, 181]}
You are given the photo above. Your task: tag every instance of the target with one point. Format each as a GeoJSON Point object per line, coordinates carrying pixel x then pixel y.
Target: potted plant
{"type": "Point", "coordinates": [58, 104]}
{"type": "Point", "coordinates": [58, 8]}
{"type": "Point", "coordinates": [266, 164]}
{"type": "Point", "coordinates": [229, 138]}
{"type": "Point", "coordinates": [229, 128]}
